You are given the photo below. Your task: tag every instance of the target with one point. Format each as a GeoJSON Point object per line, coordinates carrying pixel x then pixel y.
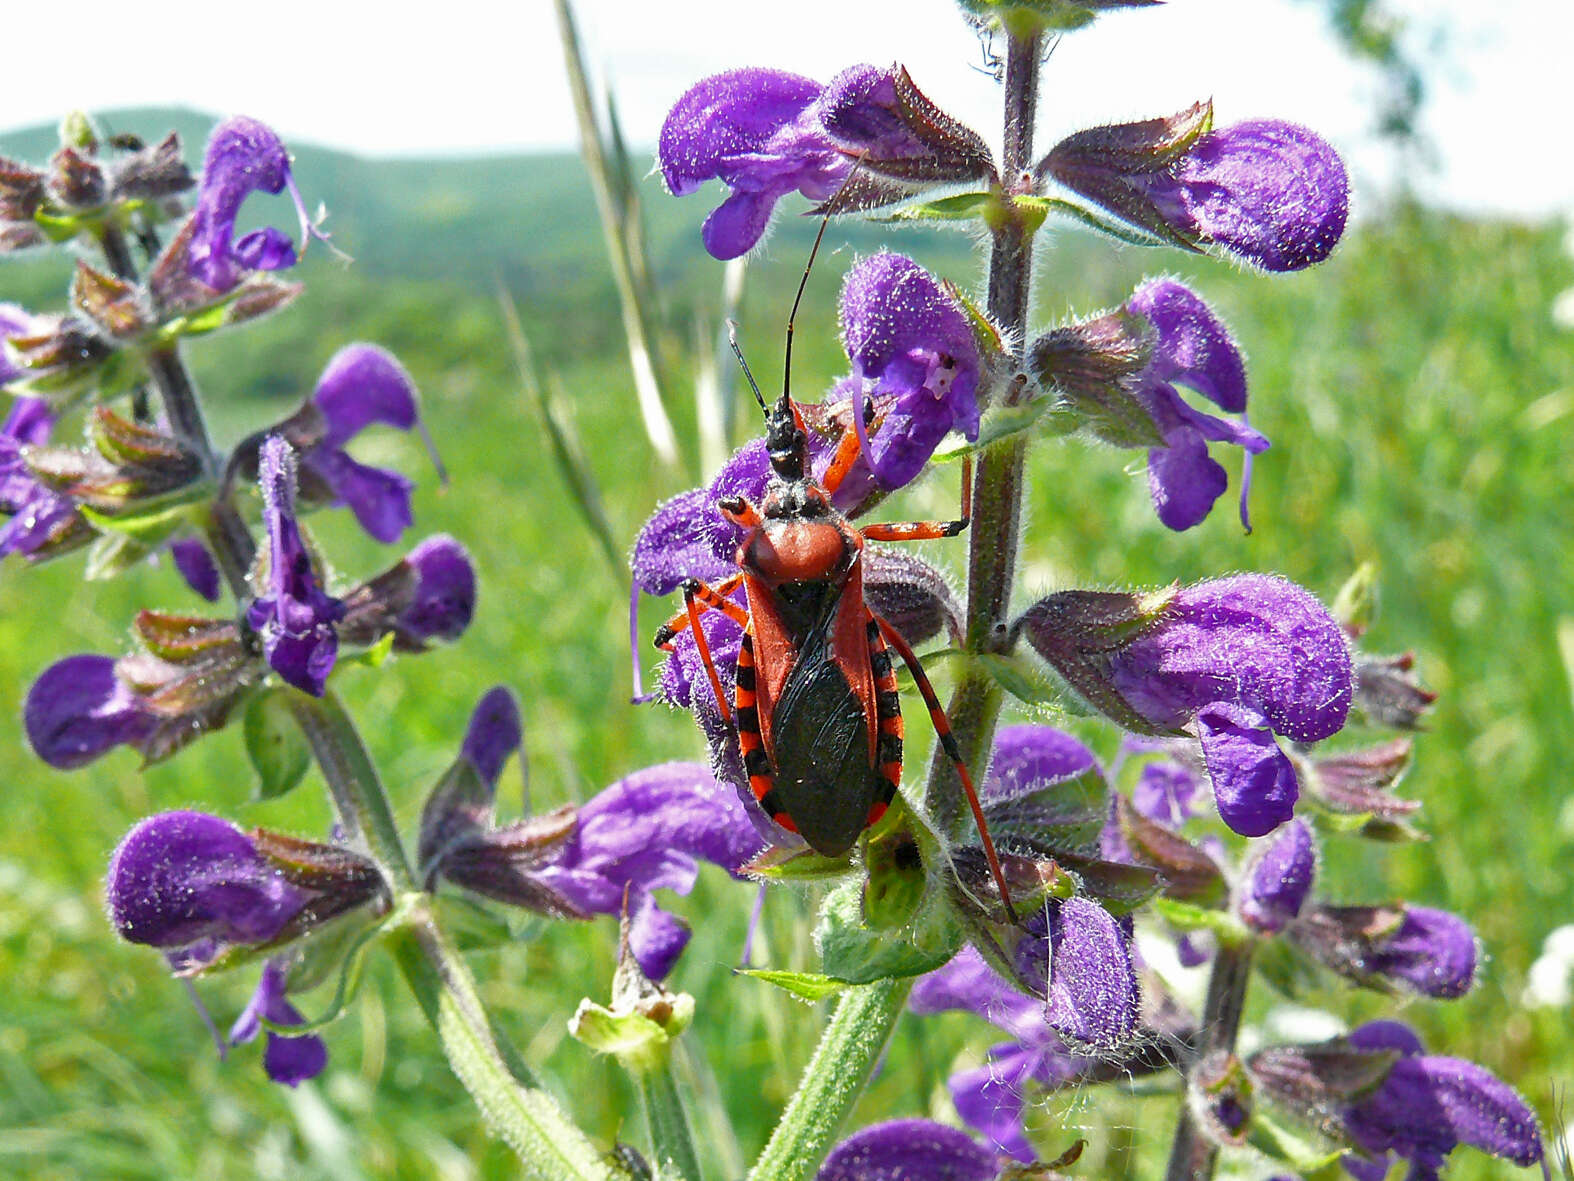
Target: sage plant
{"type": "Point", "coordinates": [1224, 692]}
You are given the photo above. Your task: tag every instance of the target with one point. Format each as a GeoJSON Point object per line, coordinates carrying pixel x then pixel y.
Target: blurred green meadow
{"type": "Point", "coordinates": [1419, 399]}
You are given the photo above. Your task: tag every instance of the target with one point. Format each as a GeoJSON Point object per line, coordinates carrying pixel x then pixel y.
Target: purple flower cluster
{"type": "Point", "coordinates": [646, 832]}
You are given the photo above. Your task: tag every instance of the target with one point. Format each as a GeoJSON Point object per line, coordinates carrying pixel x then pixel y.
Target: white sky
{"type": "Point", "coordinates": [460, 76]}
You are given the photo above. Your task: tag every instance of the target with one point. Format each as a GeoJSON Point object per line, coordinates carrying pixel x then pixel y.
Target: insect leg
{"type": "Point", "coordinates": [700, 642]}
{"type": "Point", "coordinates": [924, 530]}
{"type": "Point", "coordinates": [942, 726]}
{"type": "Point", "coordinates": [888, 711]}
{"type": "Point", "coordinates": [709, 597]}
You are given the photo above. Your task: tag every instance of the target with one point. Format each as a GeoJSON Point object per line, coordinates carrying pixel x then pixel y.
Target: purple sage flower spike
{"type": "Point", "coordinates": [180, 878]}
{"type": "Point", "coordinates": [1413, 948]}
{"type": "Point", "coordinates": [295, 617]}
{"type": "Point", "coordinates": [243, 157]}
{"type": "Point", "coordinates": [1237, 661]}
{"type": "Point", "coordinates": [290, 1060]}
{"type": "Point", "coordinates": [196, 566]}
{"type": "Point", "coordinates": [758, 132]}
{"type": "Point", "coordinates": [914, 354]}
{"type": "Point", "coordinates": [1271, 193]}
{"type": "Point", "coordinates": [1429, 1105]}
{"type": "Point", "coordinates": [1191, 347]}
{"type": "Point", "coordinates": [1275, 886]}
{"type": "Point", "coordinates": [79, 709]}
{"type": "Point", "coordinates": [909, 1150]}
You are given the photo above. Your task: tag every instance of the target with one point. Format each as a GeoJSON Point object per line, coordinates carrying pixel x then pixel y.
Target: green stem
{"type": "Point", "coordinates": [995, 534]}
{"type": "Point", "coordinates": [358, 794]}
{"type": "Point", "coordinates": [671, 1144]}
{"type": "Point", "coordinates": [227, 534]}
{"type": "Point", "coordinates": [549, 1145]}
{"type": "Point", "coordinates": [833, 1080]}
{"type": "Point", "coordinates": [1193, 1157]}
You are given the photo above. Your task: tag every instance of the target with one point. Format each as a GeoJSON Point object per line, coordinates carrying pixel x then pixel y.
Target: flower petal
{"type": "Point", "coordinates": [1254, 782]}
{"type": "Point", "coordinates": [908, 1150]}
{"type": "Point", "coordinates": [180, 877]}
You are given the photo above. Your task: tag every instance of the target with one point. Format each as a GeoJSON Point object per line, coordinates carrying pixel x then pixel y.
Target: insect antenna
{"type": "Point", "coordinates": [732, 339]}
{"type": "Point", "coordinates": [797, 299]}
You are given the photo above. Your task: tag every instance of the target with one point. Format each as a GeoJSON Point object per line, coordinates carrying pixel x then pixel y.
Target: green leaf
{"type": "Point", "coordinates": [1185, 916]}
{"type": "Point", "coordinates": [1020, 677]}
{"type": "Point", "coordinates": [112, 554]}
{"type": "Point", "coordinates": [278, 751]}
{"type": "Point", "coordinates": [59, 227]}
{"type": "Point", "coordinates": [147, 527]}
{"type": "Point", "coordinates": [961, 207]}
{"type": "Point", "coordinates": [851, 951]}
{"type": "Point", "coordinates": [779, 864]}
{"type": "Point", "coordinates": [1002, 424]}
{"type": "Point", "coordinates": [808, 986]}
{"type": "Point", "coordinates": [472, 926]}
{"type": "Point", "coordinates": [1104, 225]}
{"type": "Point", "coordinates": [373, 657]}
{"type": "Point", "coordinates": [1281, 1143]}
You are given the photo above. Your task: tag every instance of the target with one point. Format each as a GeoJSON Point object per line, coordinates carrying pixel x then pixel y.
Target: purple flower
{"type": "Point", "coordinates": [644, 833]}
{"type": "Point", "coordinates": [362, 384]}
{"type": "Point", "coordinates": [1167, 792]}
{"type": "Point", "coordinates": [641, 834]}
{"type": "Point", "coordinates": [759, 132]}
{"type": "Point", "coordinates": [1429, 1105]}
{"type": "Point", "coordinates": [180, 879]}
{"type": "Point", "coordinates": [1279, 879]}
{"type": "Point", "coordinates": [444, 600]}
{"type": "Point", "coordinates": [1191, 347]}
{"type": "Point", "coordinates": [1415, 948]}
{"type": "Point", "coordinates": [1271, 193]}
{"type": "Point", "coordinates": [79, 709]}
{"type": "Point", "coordinates": [196, 566]}
{"type": "Point", "coordinates": [243, 157]}
{"type": "Point", "coordinates": [991, 1098]}
{"type": "Point", "coordinates": [1236, 660]}
{"type": "Point", "coordinates": [909, 1150]}
{"type": "Point", "coordinates": [40, 519]}
{"type": "Point", "coordinates": [290, 1060]}
{"type": "Point", "coordinates": [494, 733]}
{"type": "Point", "coordinates": [913, 353]}
{"type": "Point", "coordinates": [295, 618]}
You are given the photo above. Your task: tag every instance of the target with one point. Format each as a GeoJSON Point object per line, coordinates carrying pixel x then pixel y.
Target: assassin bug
{"type": "Point", "coordinates": [816, 709]}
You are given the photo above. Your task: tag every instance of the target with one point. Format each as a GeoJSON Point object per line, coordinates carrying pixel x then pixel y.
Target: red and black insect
{"type": "Point", "coordinates": [817, 713]}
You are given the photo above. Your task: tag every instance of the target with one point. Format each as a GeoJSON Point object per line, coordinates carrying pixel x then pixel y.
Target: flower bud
{"type": "Point", "coordinates": [196, 886]}
{"type": "Point", "coordinates": [1269, 192]}
{"type": "Point", "coordinates": [1278, 880]}
{"type": "Point", "coordinates": [1388, 948]}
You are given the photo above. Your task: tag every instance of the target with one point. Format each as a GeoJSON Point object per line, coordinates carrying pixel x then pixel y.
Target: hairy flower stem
{"type": "Point", "coordinates": [231, 541]}
{"type": "Point", "coordinates": [549, 1145]}
{"type": "Point", "coordinates": [833, 1080]}
{"type": "Point", "coordinates": [995, 534]}
{"type": "Point", "coordinates": [1193, 1156]}
{"type": "Point", "coordinates": [671, 1143]}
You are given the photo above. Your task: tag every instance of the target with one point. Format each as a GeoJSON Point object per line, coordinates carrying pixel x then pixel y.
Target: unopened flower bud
{"type": "Point", "coordinates": [1412, 948]}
